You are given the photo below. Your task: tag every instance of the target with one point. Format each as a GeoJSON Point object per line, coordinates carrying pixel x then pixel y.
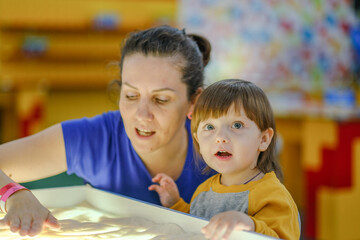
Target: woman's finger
{"type": "Point", "coordinates": [52, 222]}
{"type": "Point", "coordinates": [36, 228]}
{"type": "Point", "coordinates": [25, 225]}
{"type": "Point", "coordinates": [4, 222]}
{"type": "Point", "coordinates": [14, 225]}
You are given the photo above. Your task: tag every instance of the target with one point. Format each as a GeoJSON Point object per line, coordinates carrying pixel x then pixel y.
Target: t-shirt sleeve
{"type": "Point", "coordinates": [181, 206]}
{"type": "Point", "coordinates": [88, 142]}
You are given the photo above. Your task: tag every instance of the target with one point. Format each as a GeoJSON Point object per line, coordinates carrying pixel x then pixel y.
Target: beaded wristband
{"type": "Point", "coordinates": [10, 189]}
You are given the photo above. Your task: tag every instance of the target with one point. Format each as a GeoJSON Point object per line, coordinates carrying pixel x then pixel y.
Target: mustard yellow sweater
{"type": "Point", "coordinates": [266, 201]}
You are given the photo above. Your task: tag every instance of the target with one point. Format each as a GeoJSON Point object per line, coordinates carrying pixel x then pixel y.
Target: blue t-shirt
{"type": "Point", "coordinates": [99, 151]}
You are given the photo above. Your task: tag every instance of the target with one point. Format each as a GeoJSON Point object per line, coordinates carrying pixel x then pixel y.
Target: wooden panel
{"type": "Point", "coordinates": [8, 119]}
{"type": "Point", "coordinates": [70, 43]}
{"type": "Point", "coordinates": [80, 14]}
{"type": "Point", "coordinates": [59, 75]}
{"type": "Point", "coordinates": [72, 46]}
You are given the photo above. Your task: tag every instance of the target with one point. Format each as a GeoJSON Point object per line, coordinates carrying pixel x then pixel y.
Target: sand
{"type": "Point", "coordinates": [85, 222]}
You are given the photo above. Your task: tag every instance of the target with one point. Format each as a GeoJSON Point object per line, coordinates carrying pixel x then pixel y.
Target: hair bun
{"type": "Point", "coordinates": [204, 46]}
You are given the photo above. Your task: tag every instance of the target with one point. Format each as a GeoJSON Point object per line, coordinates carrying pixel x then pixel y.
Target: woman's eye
{"type": "Point", "coordinates": [161, 100]}
{"type": "Point", "coordinates": [131, 97]}
{"type": "Point", "coordinates": [208, 127]}
{"type": "Point", "coordinates": [237, 125]}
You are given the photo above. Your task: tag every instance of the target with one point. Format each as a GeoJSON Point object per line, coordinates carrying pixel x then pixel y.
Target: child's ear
{"type": "Point", "coordinates": [266, 137]}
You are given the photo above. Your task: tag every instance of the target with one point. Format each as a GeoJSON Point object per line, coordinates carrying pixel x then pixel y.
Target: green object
{"type": "Point", "coordinates": [60, 180]}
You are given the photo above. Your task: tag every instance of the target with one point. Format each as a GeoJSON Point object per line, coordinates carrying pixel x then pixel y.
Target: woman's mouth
{"type": "Point", "coordinates": [144, 133]}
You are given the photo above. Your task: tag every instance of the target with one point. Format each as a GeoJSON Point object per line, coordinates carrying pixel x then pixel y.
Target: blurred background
{"type": "Point", "coordinates": [57, 59]}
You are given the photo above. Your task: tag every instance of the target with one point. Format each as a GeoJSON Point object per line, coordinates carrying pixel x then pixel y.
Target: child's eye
{"type": "Point", "coordinates": [237, 125]}
{"type": "Point", "coordinates": [209, 127]}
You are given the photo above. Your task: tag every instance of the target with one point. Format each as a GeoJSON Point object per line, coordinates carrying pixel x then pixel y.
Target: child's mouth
{"type": "Point", "coordinates": [223, 154]}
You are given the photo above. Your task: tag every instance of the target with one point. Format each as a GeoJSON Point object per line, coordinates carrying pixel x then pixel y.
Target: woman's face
{"type": "Point", "coordinates": [153, 103]}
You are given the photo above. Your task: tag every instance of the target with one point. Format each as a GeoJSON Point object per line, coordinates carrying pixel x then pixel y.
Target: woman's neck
{"type": "Point", "coordinates": [169, 159]}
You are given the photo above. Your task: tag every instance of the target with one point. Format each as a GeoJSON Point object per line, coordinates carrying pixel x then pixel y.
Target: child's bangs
{"type": "Point", "coordinates": [213, 107]}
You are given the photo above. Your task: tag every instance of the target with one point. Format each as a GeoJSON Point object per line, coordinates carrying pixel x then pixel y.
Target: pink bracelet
{"type": "Point", "coordinates": [6, 187]}
{"type": "Point", "coordinates": [8, 193]}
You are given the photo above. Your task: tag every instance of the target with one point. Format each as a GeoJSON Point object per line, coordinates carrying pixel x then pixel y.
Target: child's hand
{"type": "Point", "coordinates": [167, 189]}
{"type": "Point", "coordinates": [225, 223]}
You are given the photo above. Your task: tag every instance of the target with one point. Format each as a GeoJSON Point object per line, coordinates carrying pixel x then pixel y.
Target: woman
{"type": "Point", "coordinates": [161, 73]}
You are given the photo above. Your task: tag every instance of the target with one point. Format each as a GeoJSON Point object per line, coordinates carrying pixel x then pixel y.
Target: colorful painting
{"type": "Point", "coordinates": [300, 45]}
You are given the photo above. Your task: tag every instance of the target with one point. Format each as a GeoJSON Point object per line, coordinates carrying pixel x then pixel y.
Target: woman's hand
{"type": "Point", "coordinates": [166, 188]}
{"type": "Point", "coordinates": [225, 223]}
{"type": "Point", "coordinates": [26, 215]}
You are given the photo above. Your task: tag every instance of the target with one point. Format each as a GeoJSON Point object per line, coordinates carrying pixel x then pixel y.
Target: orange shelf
{"type": "Point", "coordinates": [58, 75]}
{"type": "Point", "coordinates": [80, 14]}
{"type": "Point", "coordinates": [87, 46]}
{"type": "Point", "coordinates": [64, 47]}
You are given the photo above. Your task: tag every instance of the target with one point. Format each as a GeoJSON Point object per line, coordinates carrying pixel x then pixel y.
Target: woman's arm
{"type": "Point", "coordinates": [34, 157]}
{"type": "Point", "coordinates": [25, 214]}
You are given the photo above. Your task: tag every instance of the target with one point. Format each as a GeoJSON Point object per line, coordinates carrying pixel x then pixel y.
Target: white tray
{"type": "Point", "coordinates": [64, 197]}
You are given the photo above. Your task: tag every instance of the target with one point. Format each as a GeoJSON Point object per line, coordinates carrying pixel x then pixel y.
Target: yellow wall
{"type": "Point", "coordinates": [68, 77]}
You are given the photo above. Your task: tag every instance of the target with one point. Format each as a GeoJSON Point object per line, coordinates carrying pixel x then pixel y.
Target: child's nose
{"type": "Point", "coordinates": [222, 139]}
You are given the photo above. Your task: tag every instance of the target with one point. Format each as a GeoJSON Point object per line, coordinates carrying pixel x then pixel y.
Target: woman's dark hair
{"type": "Point", "coordinates": [191, 51]}
{"type": "Point", "coordinates": [216, 100]}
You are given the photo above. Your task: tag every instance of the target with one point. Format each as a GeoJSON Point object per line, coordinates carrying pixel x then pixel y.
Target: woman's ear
{"type": "Point", "coordinates": [266, 137]}
{"type": "Point", "coordinates": [197, 94]}
{"type": "Point", "coordinates": [195, 98]}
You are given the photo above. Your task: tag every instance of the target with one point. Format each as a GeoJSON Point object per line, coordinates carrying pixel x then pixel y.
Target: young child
{"type": "Point", "coordinates": [234, 130]}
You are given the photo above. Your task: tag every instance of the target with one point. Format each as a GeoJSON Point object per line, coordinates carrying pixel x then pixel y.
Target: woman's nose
{"type": "Point", "coordinates": [143, 112]}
